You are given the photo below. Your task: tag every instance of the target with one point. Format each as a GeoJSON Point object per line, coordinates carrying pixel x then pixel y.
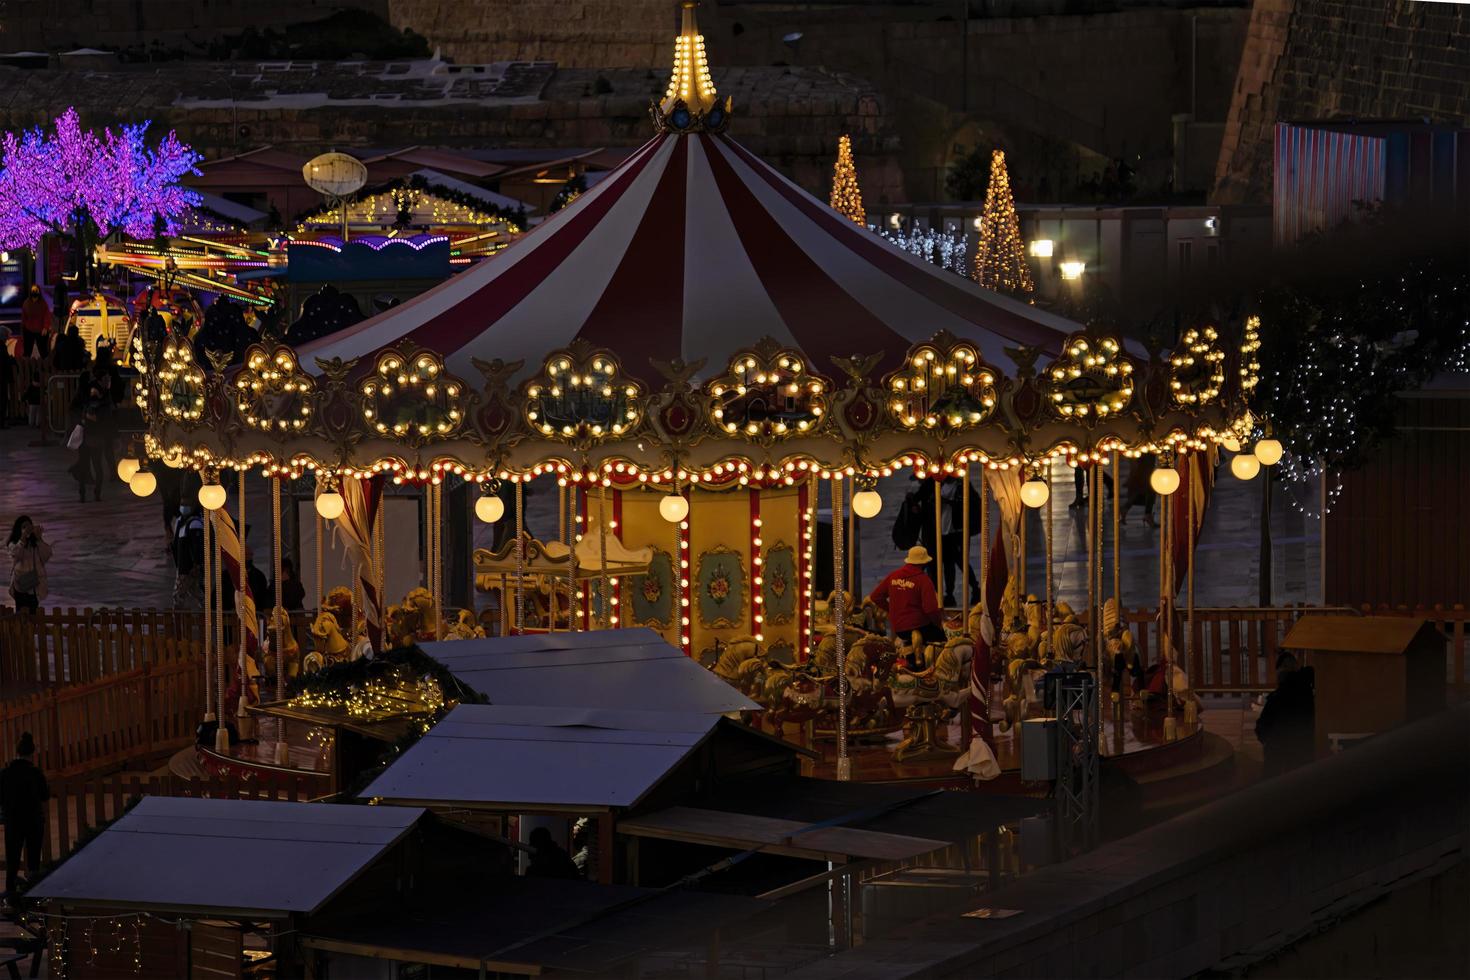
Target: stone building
{"type": "Point", "coordinates": [1343, 60]}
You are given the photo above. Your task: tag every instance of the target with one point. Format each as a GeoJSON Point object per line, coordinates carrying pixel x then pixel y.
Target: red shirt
{"type": "Point", "coordinates": [908, 596]}
{"type": "Point", "coordinates": [35, 315]}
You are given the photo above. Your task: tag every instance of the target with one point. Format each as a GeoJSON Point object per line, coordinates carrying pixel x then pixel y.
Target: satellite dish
{"type": "Point", "coordinates": [334, 174]}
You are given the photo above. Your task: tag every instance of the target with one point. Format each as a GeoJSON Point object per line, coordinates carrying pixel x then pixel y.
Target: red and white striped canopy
{"type": "Point", "coordinates": [695, 248]}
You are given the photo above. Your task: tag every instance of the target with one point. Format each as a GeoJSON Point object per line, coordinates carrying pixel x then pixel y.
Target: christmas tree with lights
{"type": "Point", "coordinates": [1000, 256]}
{"type": "Point", "coordinates": [846, 199]}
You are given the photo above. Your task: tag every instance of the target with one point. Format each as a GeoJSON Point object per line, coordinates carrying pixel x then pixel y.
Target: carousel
{"type": "Point", "coordinates": [698, 355]}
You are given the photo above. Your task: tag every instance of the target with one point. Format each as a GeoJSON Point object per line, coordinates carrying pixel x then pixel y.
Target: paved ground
{"type": "Point", "coordinates": [112, 552]}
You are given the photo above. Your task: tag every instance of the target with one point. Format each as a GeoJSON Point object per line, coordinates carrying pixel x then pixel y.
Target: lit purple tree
{"type": "Point", "coordinates": [86, 185]}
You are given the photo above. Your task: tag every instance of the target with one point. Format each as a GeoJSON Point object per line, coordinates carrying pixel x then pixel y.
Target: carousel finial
{"type": "Point", "coordinates": [691, 102]}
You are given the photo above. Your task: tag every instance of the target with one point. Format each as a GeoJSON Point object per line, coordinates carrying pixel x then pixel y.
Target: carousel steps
{"type": "Point", "coordinates": [1211, 773]}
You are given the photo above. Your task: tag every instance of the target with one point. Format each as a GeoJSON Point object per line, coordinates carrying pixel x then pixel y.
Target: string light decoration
{"type": "Point", "coordinates": [581, 395]}
{"type": "Point", "coordinates": [1000, 256]}
{"type": "Point", "coordinates": [945, 249]}
{"type": "Point", "coordinates": [1197, 367]}
{"type": "Point", "coordinates": [1090, 380]}
{"type": "Point", "coordinates": [847, 197]}
{"type": "Point", "coordinates": [414, 204]}
{"type": "Point", "coordinates": [1250, 363]}
{"type": "Point", "coordinates": [411, 397]}
{"type": "Point", "coordinates": [767, 394]}
{"type": "Point", "coordinates": [181, 381]}
{"type": "Point", "coordinates": [690, 102]}
{"type": "Point", "coordinates": [272, 394]}
{"type": "Point", "coordinates": [947, 388]}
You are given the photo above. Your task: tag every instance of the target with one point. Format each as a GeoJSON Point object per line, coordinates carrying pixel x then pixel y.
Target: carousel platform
{"type": "Point", "coordinates": [1194, 762]}
{"type": "Point", "coordinates": [308, 753]}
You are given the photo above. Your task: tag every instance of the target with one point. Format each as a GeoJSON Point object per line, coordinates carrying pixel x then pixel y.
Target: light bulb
{"type": "Point", "coordinates": [673, 508]}
{"type": "Point", "coordinates": [867, 503]}
{"type": "Point", "coordinates": [1245, 466]}
{"type": "Point", "coordinates": [126, 468]}
{"type": "Point", "coordinates": [1231, 443]}
{"type": "Point", "coordinates": [1035, 493]}
{"type": "Point", "coordinates": [1164, 480]}
{"type": "Point", "coordinates": [490, 509]}
{"type": "Point", "coordinates": [174, 461]}
{"type": "Point", "coordinates": [143, 483]}
{"type": "Point", "coordinates": [211, 496]}
{"type": "Point", "coordinates": [1269, 451]}
{"type": "Point", "coordinates": [330, 505]}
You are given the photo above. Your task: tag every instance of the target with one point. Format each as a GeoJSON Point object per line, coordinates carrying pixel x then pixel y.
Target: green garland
{"type": "Point", "coordinates": [515, 217]}
{"type": "Point", "coordinates": [340, 678]}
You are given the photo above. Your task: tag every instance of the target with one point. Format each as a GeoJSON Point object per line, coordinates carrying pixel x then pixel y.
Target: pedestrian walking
{"type": "Point", "coordinates": [29, 553]}
{"type": "Point", "coordinates": [1287, 726]}
{"type": "Point", "coordinates": [35, 323]}
{"type": "Point", "coordinates": [23, 796]}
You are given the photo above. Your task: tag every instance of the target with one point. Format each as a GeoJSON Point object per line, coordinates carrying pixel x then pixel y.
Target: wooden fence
{"type": "Point", "coordinates": [128, 717]}
{"type": "Point", "coordinates": [56, 647]}
{"type": "Point", "coordinates": [1233, 649]}
{"type": "Point", "coordinates": [81, 804]}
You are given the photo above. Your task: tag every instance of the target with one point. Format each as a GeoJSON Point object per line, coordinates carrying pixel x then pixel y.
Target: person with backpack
{"type": "Point", "coordinates": [188, 555]}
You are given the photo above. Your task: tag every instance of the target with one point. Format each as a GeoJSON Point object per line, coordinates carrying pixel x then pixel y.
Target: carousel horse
{"type": "Point", "coordinates": [930, 698]}
{"type": "Point", "coordinates": [1067, 639]}
{"type": "Point", "coordinates": [330, 646]}
{"type": "Point", "coordinates": [738, 663]}
{"type": "Point", "coordinates": [418, 606]}
{"type": "Point", "coordinates": [1122, 649]}
{"type": "Point", "coordinates": [289, 646]}
{"type": "Point", "coordinates": [463, 627]}
{"type": "Point", "coordinates": [338, 602]}
{"type": "Point", "coordinates": [1021, 646]}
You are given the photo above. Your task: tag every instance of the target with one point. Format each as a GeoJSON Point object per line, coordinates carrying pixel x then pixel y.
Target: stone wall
{"type": "Point", "coordinates": [792, 117]}
{"type": "Point", "coordinates": [586, 34]}
{"type": "Point", "coordinates": [52, 25]}
{"type": "Point", "coordinates": [1321, 59]}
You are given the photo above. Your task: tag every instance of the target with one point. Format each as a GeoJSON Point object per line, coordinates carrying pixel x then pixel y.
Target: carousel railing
{"type": "Point", "coordinates": [1234, 648]}
{"type": "Point", "coordinates": [55, 647]}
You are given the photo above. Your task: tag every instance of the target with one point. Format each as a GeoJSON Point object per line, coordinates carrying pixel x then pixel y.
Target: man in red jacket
{"type": "Point", "coordinates": [908, 596]}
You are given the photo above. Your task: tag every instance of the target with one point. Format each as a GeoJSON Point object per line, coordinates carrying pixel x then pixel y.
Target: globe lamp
{"type": "Point", "coordinates": [867, 503]}
{"type": "Point", "coordinates": [330, 505]}
{"type": "Point", "coordinates": [1245, 466]}
{"type": "Point", "coordinates": [1035, 493]}
{"type": "Point", "coordinates": [126, 468]}
{"type": "Point", "coordinates": [211, 496]}
{"type": "Point", "coordinates": [143, 483]}
{"type": "Point", "coordinates": [490, 508]}
{"type": "Point", "coordinates": [1269, 452]}
{"type": "Point", "coordinates": [1164, 480]}
{"type": "Point", "coordinates": [673, 508]}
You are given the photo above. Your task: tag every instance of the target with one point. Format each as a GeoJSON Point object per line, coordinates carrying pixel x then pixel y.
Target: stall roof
{"type": "Point", "coordinates": [530, 925]}
{"type": "Point", "coordinates": [794, 838]}
{"type": "Point", "coordinates": [508, 755]}
{"type": "Point", "coordinates": [227, 857]}
{"type": "Point", "coordinates": [624, 669]}
{"type": "Point", "coordinates": [948, 815]}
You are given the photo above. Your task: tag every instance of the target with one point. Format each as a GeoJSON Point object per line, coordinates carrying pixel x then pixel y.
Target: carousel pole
{"type": "Point", "coordinates": [1191, 530]}
{"type": "Point", "coordinates": [984, 541]}
{"type": "Point", "coordinates": [574, 607]}
{"type": "Point", "coordinates": [210, 587]}
{"type": "Point", "coordinates": [852, 548]}
{"type": "Point", "coordinates": [939, 542]}
{"type": "Point", "coordinates": [278, 616]}
{"type": "Point", "coordinates": [839, 621]}
{"type": "Point", "coordinates": [221, 734]}
{"type": "Point", "coordinates": [520, 617]}
{"type": "Point", "coordinates": [965, 541]}
{"type": "Point", "coordinates": [1166, 607]}
{"type": "Point", "coordinates": [1094, 582]}
{"type": "Point", "coordinates": [438, 490]}
{"type": "Point", "coordinates": [814, 488]}
{"type": "Point", "coordinates": [239, 605]}
{"type": "Point", "coordinates": [604, 592]}
{"type": "Point", "coordinates": [1047, 603]}
{"type": "Point", "coordinates": [276, 562]}
{"type": "Point", "coordinates": [1021, 556]}
{"type": "Point", "coordinates": [378, 558]}
{"type": "Point", "coordinates": [676, 574]}
{"type": "Point", "coordinates": [1117, 537]}
{"type": "Point", "coordinates": [321, 557]}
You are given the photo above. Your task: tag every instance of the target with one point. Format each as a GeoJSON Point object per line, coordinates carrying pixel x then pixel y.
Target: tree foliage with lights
{"type": "Point", "coordinates": [1000, 255]}
{"type": "Point", "coordinates": [847, 198]}
{"type": "Point", "coordinates": [86, 184]}
{"type": "Point", "coordinates": [1356, 318]}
